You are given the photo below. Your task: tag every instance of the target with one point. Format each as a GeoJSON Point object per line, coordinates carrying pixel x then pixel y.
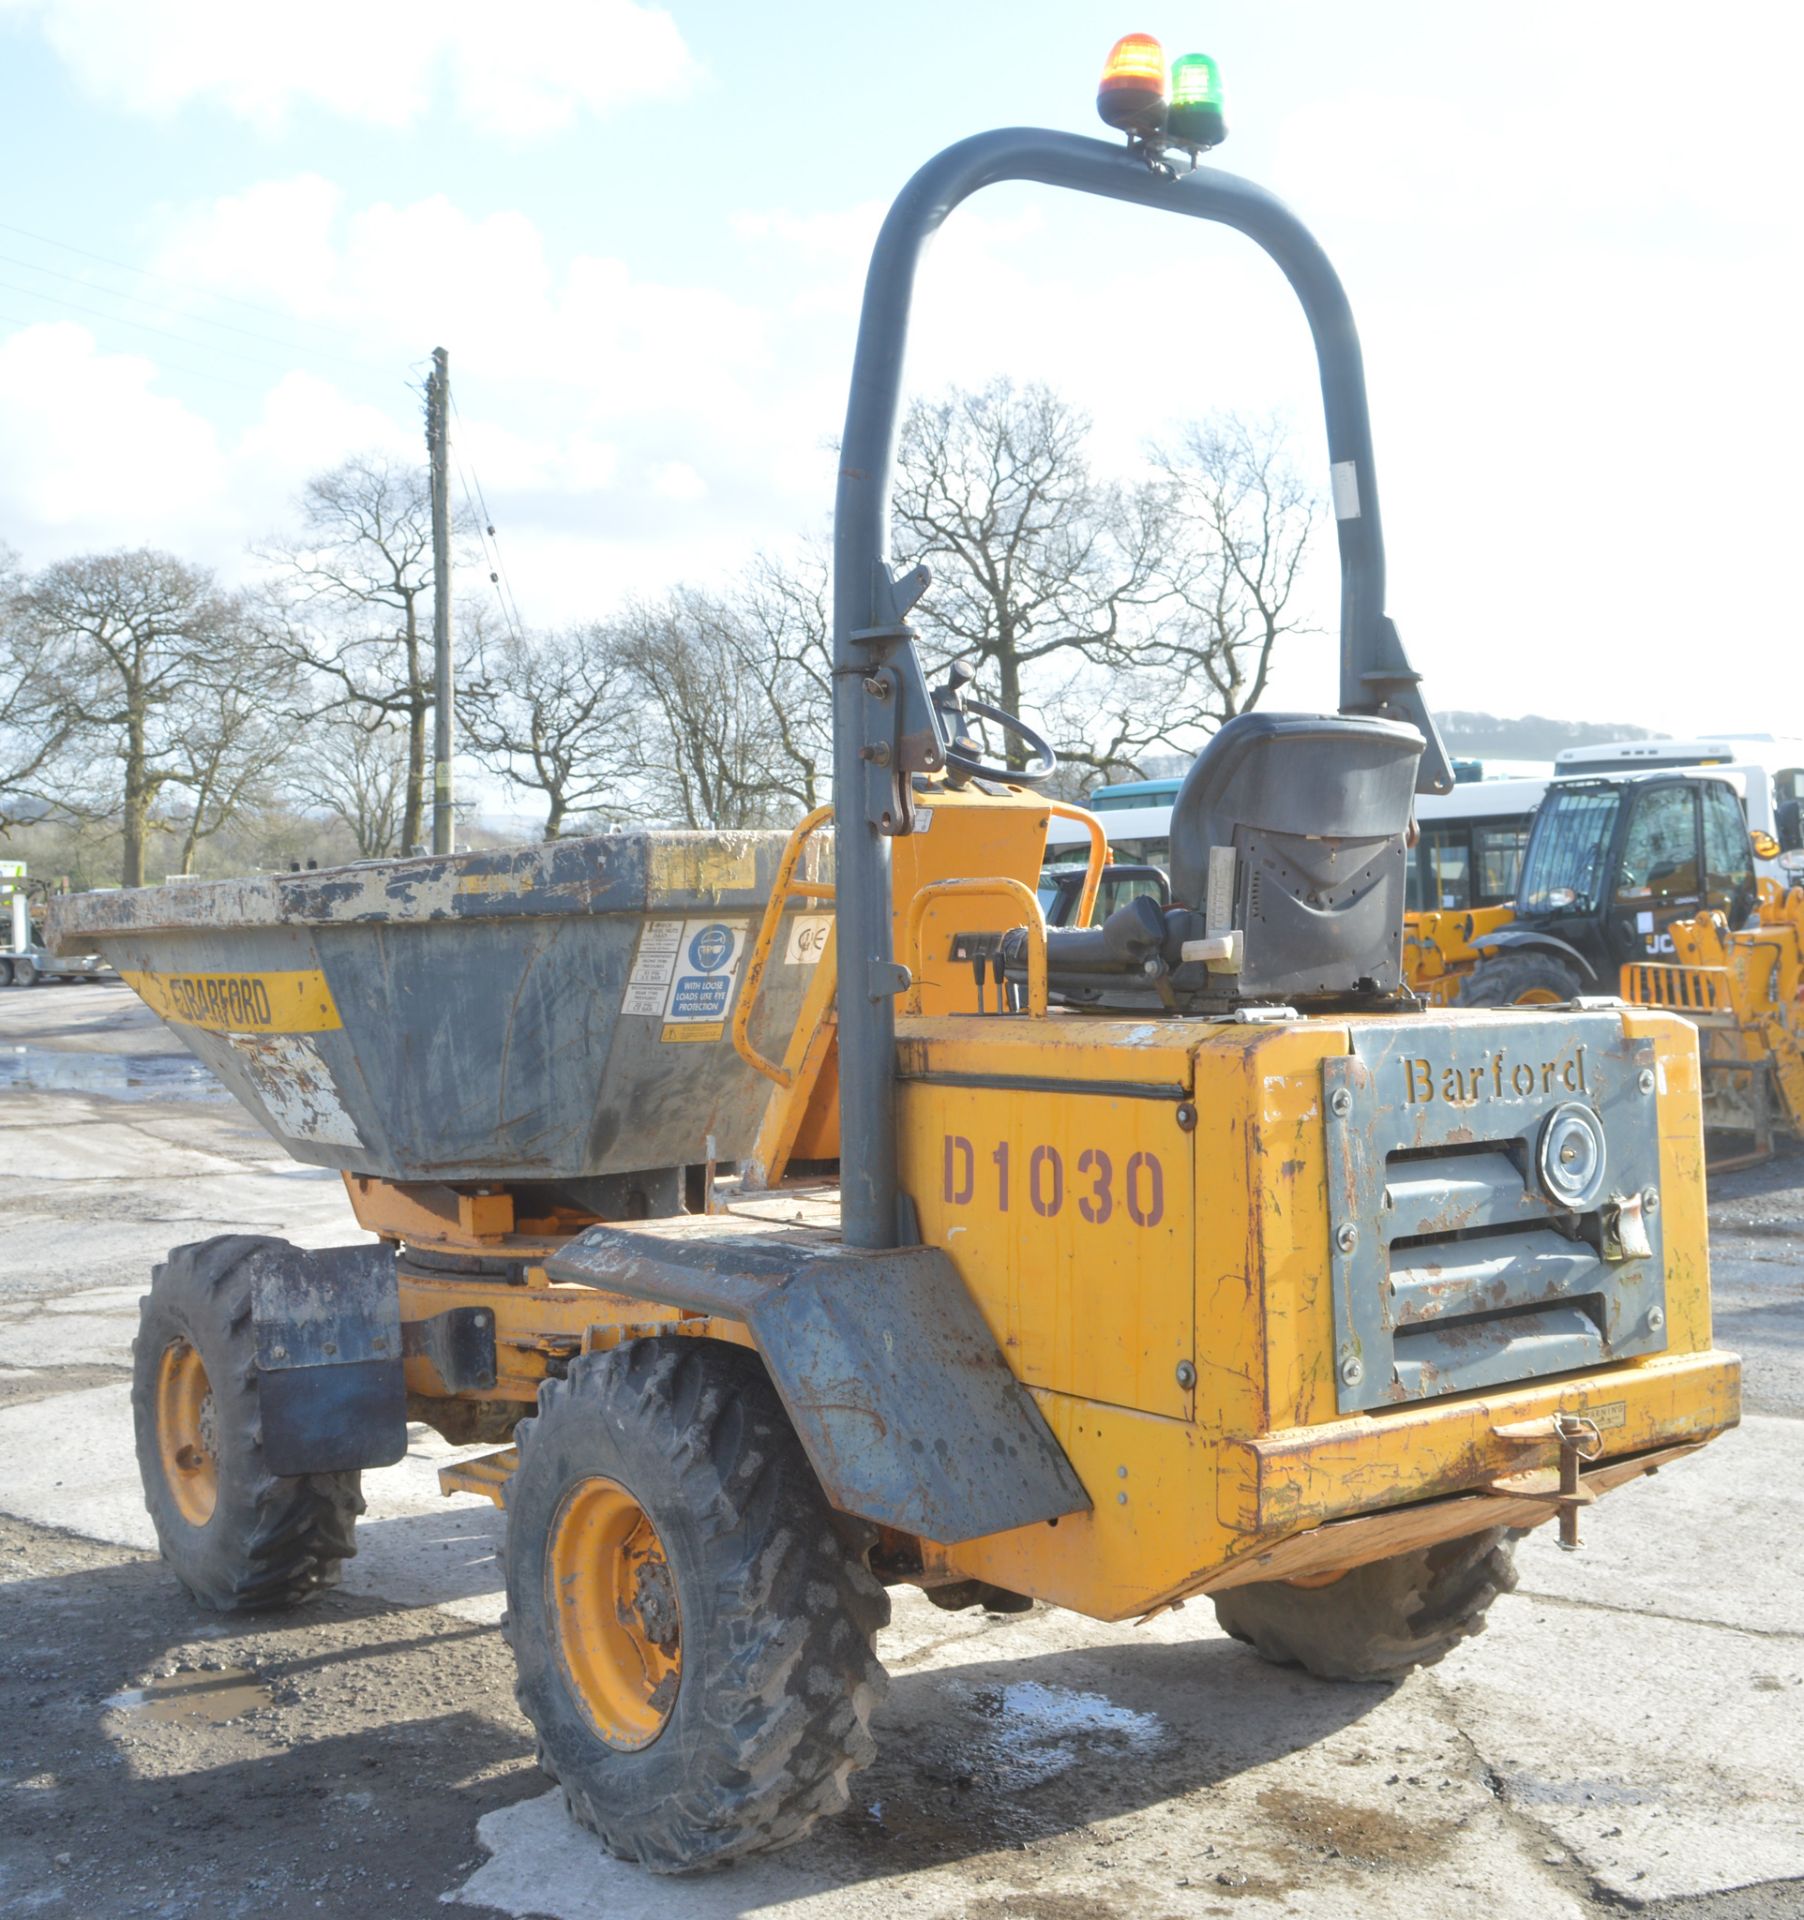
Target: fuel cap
{"type": "Point", "coordinates": [1571, 1157]}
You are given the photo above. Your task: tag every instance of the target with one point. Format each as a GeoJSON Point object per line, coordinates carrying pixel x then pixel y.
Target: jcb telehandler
{"type": "Point", "coordinates": [1612, 862]}
{"type": "Point", "coordinates": [1170, 1257]}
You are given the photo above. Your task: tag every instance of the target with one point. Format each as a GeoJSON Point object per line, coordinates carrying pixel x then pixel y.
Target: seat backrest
{"type": "Point", "coordinates": [1291, 829]}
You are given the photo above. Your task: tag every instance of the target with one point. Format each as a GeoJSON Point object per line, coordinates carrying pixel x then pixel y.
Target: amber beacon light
{"type": "Point", "coordinates": [1131, 93]}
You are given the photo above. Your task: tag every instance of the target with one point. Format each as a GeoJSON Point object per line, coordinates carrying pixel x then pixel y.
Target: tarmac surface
{"type": "Point", "coordinates": [1628, 1735]}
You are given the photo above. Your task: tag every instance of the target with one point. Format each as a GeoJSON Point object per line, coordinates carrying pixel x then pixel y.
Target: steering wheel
{"type": "Point", "coordinates": [964, 755]}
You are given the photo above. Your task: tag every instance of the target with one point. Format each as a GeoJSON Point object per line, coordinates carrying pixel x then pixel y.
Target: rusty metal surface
{"type": "Point", "coordinates": [464, 1018]}
{"type": "Point", "coordinates": [1453, 1268]}
{"type": "Point", "coordinates": [895, 1385]}
{"type": "Point", "coordinates": [1338, 1545]}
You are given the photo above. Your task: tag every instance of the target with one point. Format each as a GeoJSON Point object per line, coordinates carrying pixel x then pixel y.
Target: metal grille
{"type": "Point", "coordinates": [1453, 1266]}
{"type": "Point", "coordinates": [1680, 989]}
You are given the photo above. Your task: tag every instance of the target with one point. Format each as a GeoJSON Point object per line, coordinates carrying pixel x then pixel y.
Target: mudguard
{"type": "Point", "coordinates": [895, 1386]}
{"type": "Point", "coordinates": [1528, 937]}
{"type": "Point", "coordinates": [329, 1383]}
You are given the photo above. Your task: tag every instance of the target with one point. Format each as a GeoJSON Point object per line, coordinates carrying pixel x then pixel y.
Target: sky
{"type": "Point", "coordinates": [231, 235]}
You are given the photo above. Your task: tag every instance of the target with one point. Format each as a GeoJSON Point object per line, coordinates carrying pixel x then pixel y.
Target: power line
{"type": "Point", "coordinates": [491, 554]}
{"type": "Point", "coordinates": [149, 273]}
{"type": "Point", "coordinates": [179, 313]}
{"type": "Point", "coordinates": [485, 531]}
{"type": "Point", "coordinates": [143, 326]}
{"type": "Point", "coordinates": [488, 524]}
{"type": "Point", "coordinates": [167, 366]}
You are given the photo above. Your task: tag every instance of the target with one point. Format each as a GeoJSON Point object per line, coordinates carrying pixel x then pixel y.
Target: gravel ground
{"type": "Point", "coordinates": [1625, 1737]}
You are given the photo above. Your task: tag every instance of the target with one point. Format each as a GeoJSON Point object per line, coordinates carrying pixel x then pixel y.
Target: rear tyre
{"type": "Point", "coordinates": [1528, 979]}
{"type": "Point", "coordinates": [692, 1637]}
{"type": "Point", "coordinates": [1377, 1622]}
{"type": "Point", "coordinates": [25, 973]}
{"type": "Point", "coordinates": [239, 1537]}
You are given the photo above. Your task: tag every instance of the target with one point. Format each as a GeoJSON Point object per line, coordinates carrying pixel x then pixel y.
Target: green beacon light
{"type": "Point", "coordinates": [1195, 115]}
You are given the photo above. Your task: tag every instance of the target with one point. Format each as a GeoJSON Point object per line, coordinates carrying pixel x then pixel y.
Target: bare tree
{"type": "Point", "coordinates": [1245, 518]}
{"type": "Point", "coordinates": [776, 626]}
{"type": "Point", "coordinates": [714, 753]}
{"type": "Point", "coordinates": [557, 713]}
{"type": "Point", "coordinates": [33, 724]}
{"type": "Point", "coordinates": [232, 762]}
{"type": "Point", "coordinates": [1126, 618]}
{"type": "Point", "coordinates": [353, 602]}
{"type": "Point", "coordinates": [135, 649]}
{"type": "Point", "coordinates": [1038, 565]}
{"type": "Point", "coordinates": [354, 766]}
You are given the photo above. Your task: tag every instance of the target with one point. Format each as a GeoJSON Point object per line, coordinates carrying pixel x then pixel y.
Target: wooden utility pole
{"type": "Point", "coordinates": [438, 439]}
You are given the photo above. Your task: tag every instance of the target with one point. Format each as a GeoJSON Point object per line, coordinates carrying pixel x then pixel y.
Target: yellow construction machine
{"type": "Point", "coordinates": [799, 1221]}
{"type": "Point", "coordinates": [1444, 948]}
{"type": "Point", "coordinates": [1743, 989]}
{"type": "Point", "coordinates": [1612, 862]}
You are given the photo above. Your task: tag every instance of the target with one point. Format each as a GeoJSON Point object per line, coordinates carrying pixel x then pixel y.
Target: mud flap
{"type": "Point", "coordinates": [893, 1382]}
{"type": "Point", "coordinates": [328, 1326]}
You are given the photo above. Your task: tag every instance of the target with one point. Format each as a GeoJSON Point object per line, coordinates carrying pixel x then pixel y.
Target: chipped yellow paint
{"type": "Point", "coordinates": [1277, 1482]}
{"type": "Point", "coordinates": [1186, 1483]}
{"type": "Point", "coordinates": [972, 835]}
{"type": "Point", "coordinates": [1086, 1047]}
{"type": "Point", "coordinates": [701, 866]}
{"type": "Point", "coordinates": [1193, 1504]}
{"type": "Point", "coordinates": [1685, 1230]}
{"type": "Point", "coordinates": [489, 883]}
{"type": "Point", "coordinates": [297, 1002]}
{"type": "Point", "coordinates": [1071, 1217]}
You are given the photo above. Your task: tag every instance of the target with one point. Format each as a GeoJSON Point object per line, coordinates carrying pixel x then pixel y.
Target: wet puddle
{"type": "Point", "coordinates": [966, 1783]}
{"type": "Point", "coordinates": [1036, 1732]}
{"type": "Point", "coordinates": [115, 1076]}
{"type": "Point", "coordinates": [193, 1699]}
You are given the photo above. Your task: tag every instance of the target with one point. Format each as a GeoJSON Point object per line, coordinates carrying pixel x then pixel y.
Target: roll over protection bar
{"type": "Point", "coordinates": [884, 727]}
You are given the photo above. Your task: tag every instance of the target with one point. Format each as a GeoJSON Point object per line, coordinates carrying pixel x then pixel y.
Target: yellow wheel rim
{"type": "Point", "coordinates": [185, 1438]}
{"type": "Point", "coordinates": [613, 1598]}
{"type": "Point", "coordinates": [1538, 997]}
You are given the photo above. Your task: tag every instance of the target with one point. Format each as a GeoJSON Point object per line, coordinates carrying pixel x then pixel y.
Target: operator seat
{"type": "Point", "coordinates": [1289, 843]}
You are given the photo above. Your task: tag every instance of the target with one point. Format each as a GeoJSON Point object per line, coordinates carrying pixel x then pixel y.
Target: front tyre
{"type": "Point", "coordinates": [1378, 1621]}
{"type": "Point", "coordinates": [1527, 979]}
{"type": "Point", "coordinates": [238, 1537]}
{"type": "Point", "coordinates": [692, 1636]}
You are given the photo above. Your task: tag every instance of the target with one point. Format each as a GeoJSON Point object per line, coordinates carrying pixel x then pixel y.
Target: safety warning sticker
{"type": "Point", "coordinates": [684, 972]}
{"type": "Point", "coordinates": [807, 939]}
{"type": "Point", "coordinates": [654, 967]}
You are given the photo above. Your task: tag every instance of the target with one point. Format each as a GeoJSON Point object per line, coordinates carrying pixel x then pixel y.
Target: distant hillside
{"type": "Point", "coordinates": [1533, 737]}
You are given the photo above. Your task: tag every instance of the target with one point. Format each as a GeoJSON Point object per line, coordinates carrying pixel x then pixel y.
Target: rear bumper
{"type": "Point", "coordinates": [1282, 1482]}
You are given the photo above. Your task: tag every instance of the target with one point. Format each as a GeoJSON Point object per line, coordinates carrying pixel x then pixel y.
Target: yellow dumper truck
{"type": "Point", "coordinates": [793, 1227]}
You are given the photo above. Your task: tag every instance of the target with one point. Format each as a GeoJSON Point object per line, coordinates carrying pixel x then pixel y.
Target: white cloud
{"type": "Point", "coordinates": [400, 279]}
{"type": "Point", "coordinates": [596, 407]}
{"type": "Point", "coordinates": [677, 480]}
{"type": "Point", "coordinates": [517, 71]}
{"type": "Point", "coordinates": [90, 453]}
